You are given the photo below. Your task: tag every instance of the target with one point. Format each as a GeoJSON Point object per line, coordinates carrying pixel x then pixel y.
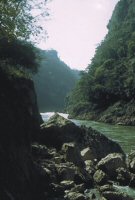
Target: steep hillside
{"type": "Point", "coordinates": [107, 90]}
{"type": "Point", "coordinates": [53, 82]}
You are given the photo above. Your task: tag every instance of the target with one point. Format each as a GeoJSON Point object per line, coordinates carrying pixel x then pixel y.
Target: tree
{"type": "Point", "coordinates": [17, 20]}
{"type": "Point", "coordinates": [21, 54]}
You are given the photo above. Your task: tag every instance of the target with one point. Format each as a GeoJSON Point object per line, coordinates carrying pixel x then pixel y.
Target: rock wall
{"type": "Point", "coordinates": [19, 121]}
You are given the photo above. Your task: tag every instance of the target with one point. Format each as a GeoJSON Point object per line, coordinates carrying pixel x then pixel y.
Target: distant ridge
{"type": "Point", "coordinates": [53, 82]}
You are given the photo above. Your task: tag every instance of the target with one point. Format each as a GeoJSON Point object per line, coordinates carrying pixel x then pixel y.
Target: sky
{"type": "Point", "coordinates": [75, 29]}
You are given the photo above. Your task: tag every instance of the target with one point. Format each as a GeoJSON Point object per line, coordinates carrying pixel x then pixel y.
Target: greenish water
{"type": "Point", "coordinates": [124, 135]}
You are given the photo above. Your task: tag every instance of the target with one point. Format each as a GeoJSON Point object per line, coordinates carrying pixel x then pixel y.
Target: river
{"type": "Point", "coordinates": [124, 135]}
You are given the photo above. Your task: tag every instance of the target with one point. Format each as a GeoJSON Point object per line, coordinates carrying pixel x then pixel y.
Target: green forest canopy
{"type": "Point", "coordinates": [111, 75]}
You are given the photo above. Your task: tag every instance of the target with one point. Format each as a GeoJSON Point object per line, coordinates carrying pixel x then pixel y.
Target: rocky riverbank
{"type": "Point", "coordinates": [80, 163]}
{"type": "Point", "coordinates": [122, 113]}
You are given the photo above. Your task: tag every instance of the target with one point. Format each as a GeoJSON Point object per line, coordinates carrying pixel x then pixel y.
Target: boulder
{"type": "Point", "coordinates": [67, 184]}
{"type": "Point", "coordinates": [107, 187]}
{"type": "Point", "coordinates": [100, 146]}
{"type": "Point", "coordinates": [87, 154]}
{"type": "Point", "coordinates": [131, 161]}
{"type": "Point", "coordinates": [82, 177]}
{"type": "Point", "coordinates": [132, 181]}
{"type": "Point", "coordinates": [111, 163]}
{"type": "Point", "coordinates": [90, 167]}
{"type": "Point", "coordinates": [124, 176]}
{"type": "Point", "coordinates": [113, 195]}
{"type": "Point", "coordinates": [100, 177]}
{"type": "Point", "coordinates": [66, 171]}
{"type": "Point", "coordinates": [132, 165]}
{"type": "Point", "coordinates": [59, 130]}
{"type": "Point", "coordinates": [40, 151]}
{"type": "Point", "coordinates": [72, 154]}
{"type": "Point", "coordinates": [74, 196]}
{"type": "Point", "coordinates": [79, 188]}
{"type": "Point", "coordinates": [57, 159]}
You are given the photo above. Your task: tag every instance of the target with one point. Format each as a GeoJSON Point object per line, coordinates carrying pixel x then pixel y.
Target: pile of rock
{"type": "Point", "coordinates": [80, 163]}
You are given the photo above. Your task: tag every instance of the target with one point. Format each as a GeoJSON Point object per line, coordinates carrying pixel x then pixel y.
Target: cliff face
{"type": "Point", "coordinates": [19, 121]}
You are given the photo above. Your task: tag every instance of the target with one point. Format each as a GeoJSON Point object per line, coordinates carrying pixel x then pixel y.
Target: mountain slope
{"type": "Point", "coordinates": [110, 80]}
{"type": "Point", "coordinates": [53, 82]}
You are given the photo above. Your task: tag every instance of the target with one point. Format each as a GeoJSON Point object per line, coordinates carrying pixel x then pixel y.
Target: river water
{"type": "Point", "coordinates": [124, 135]}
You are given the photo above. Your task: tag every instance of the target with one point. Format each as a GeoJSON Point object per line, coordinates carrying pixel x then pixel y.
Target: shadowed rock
{"type": "Point", "coordinates": [59, 130]}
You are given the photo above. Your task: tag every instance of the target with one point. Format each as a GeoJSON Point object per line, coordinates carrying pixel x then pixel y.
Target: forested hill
{"type": "Point", "coordinates": [53, 82]}
{"type": "Point", "coordinates": [106, 91]}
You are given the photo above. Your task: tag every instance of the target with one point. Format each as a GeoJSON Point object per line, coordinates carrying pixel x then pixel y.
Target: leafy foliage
{"type": "Point", "coordinates": [111, 75]}
{"type": "Point", "coordinates": [16, 19]}
{"type": "Point", "coordinates": [21, 54]}
{"type": "Point", "coordinates": [17, 24]}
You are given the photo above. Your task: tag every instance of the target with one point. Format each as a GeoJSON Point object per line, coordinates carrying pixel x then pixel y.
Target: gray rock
{"type": "Point", "coordinates": [90, 167]}
{"type": "Point", "coordinates": [75, 196]}
{"type": "Point", "coordinates": [72, 154]}
{"type": "Point", "coordinates": [59, 130]}
{"type": "Point", "coordinates": [40, 151]}
{"type": "Point", "coordinates": [67, 184]}
{"type": "Point", "coordinates": [82, 176]}
{"type": "Point", "coordinates": [132, 165]}
{"type": "Point", "coordinates": [66, 171]}
{"type": "Point", "coordinates": [57, 159]}
{"type": "Point", "coordinates": [110, 195]}
{"type": "Point", "coordinates": [132, 181]}
{"type": "Point", "coordinates": [107, 187]}
{"type": "Point", "coordinates": [131, 161]}
{"type": "Point", "coordinates": [79, 188]}
{"type": "Point", "coordinates": [100, 146]}
{"type": "Point", "coordinates": [123, 176]}
{"type": "Point", "coordinates": [87, 154]}
{"type": "Point", "coordinates": [100, 177]}
{"type": "Point", "coordinates": [111, 163]}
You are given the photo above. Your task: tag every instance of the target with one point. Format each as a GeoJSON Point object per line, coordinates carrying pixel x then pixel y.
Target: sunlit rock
{"type": "Point", "coordinates": [111, 163]}
{"type": "Point", "coordinates": [100, 177]}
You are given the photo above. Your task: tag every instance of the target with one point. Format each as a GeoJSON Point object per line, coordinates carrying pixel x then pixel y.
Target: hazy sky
{"type": "Point", "coordinates": [76, 28]}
